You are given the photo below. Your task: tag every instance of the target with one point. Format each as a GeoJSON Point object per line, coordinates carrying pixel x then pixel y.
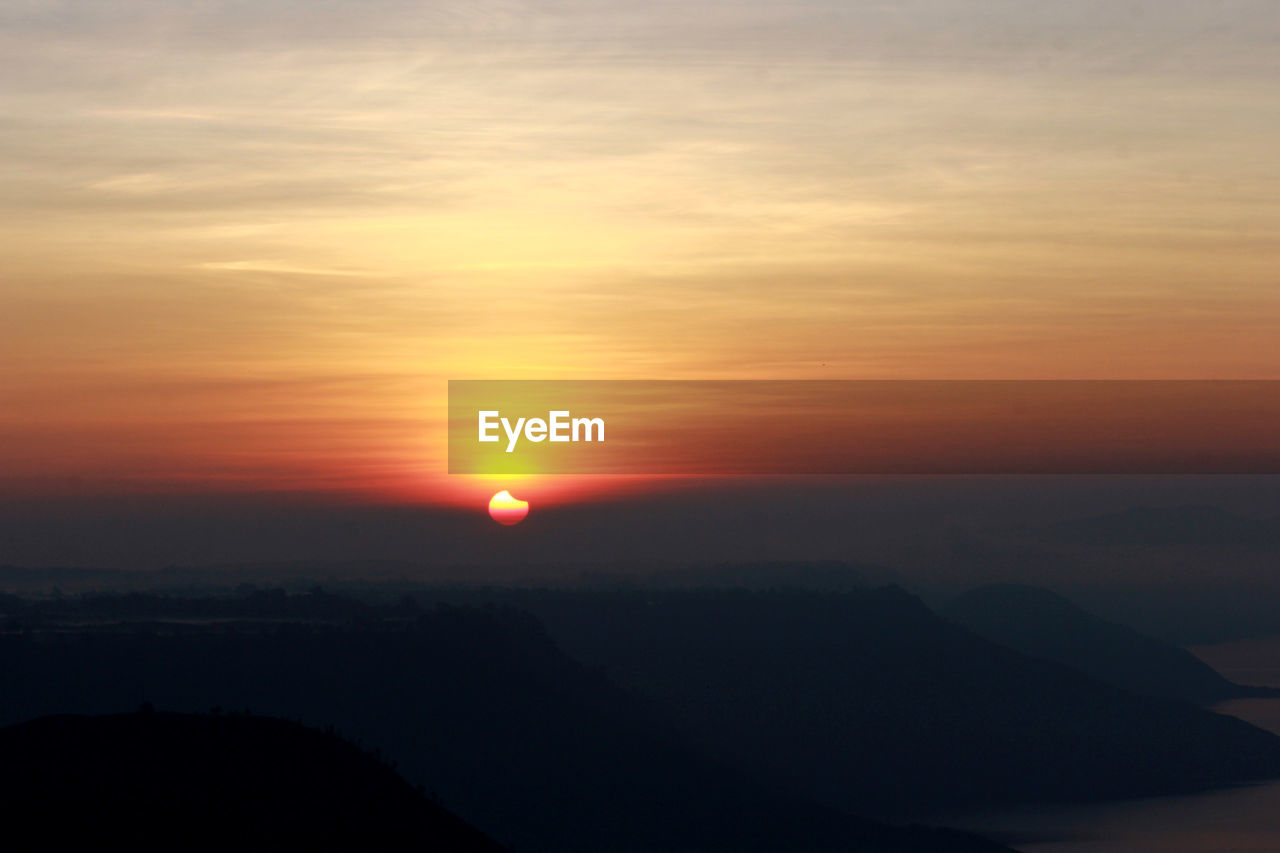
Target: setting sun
{"type": "Point", "coordinates": [505, 509]}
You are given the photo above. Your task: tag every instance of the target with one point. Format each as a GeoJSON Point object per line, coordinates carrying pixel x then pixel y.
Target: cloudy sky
{"type": "Point", "coordinates": [245, 244]}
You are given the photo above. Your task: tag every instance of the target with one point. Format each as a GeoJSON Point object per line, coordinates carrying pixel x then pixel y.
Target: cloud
{"type": "Point", "coordinates": [628, 188]}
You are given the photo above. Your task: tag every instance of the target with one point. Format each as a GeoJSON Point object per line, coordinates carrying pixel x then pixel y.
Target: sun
{"type": "Point", "coordinates": [505, 509]}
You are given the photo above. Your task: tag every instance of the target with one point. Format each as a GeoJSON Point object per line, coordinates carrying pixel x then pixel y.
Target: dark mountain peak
{"type": "Point", "coordinates": [872, 702]}
{"type": "Point", "coordinates": [157, 780]}
{"type": "Point", "coordinates": [1038, 622]}
{"type": "Point", "coordinates": [1017, 600]}
{"type": "Point", "coordinates": [474, 700]}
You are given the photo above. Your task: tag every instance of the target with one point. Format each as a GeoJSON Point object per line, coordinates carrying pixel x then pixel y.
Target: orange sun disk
{"type": "Point", "coordinates": [505, 509]}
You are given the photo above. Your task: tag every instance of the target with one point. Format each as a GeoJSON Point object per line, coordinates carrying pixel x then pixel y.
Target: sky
{"type": "Point", "coordinates": [244, 245]}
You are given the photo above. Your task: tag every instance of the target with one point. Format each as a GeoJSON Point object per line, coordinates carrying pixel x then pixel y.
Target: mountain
{"type": "Point", "coordinates": [479, 705]}
{"type": "Point", "coordinates": [870, 701]}
{"type": "Point", "coordinates": [163, 781]}
{"type": "Point", "coordinates": [1038, 622]}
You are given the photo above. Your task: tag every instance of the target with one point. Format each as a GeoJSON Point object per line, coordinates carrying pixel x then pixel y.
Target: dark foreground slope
{"type": "Point", "coordinates": [1041, 623]}
{"type": "Point", "coordinates": [481, 707]}
{"type": "Point", "coordinates": [871, 701]}
{"type": "Point", "coordinates": [160, 781]}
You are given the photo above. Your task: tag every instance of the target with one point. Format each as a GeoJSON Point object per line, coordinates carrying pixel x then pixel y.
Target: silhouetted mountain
{"type": "Point", "coordinates": [1168, 526]}
{"type": "Point", "coordinates": [480, 706]}
{"type": "Point", "coordinates": [1044, 624]}
{"type": "Point", "coordinates": [1190, 612]}
{"type": "Point", "coordinates": [870, 701]}
{"type": "Point", "coordinates": [162, 781]}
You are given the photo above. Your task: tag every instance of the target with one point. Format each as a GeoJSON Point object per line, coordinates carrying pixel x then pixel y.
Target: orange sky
{"type": "Point", "coordinates": [245, 245]}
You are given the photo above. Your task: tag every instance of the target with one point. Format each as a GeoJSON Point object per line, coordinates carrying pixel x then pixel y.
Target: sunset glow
{"type": "Point", "coordinates": [233, 286]}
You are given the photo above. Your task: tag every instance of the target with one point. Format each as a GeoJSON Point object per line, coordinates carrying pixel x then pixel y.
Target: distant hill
{"type": "Point", "coordinates": [1168, 526]}
{"type": "Point", "coordinates": [479, 705]}
{"type": "Point", "coordinates": [870, 701]}
{"type": "Point", "coordinates": [162, 781]}
{"type": "Point", "coordinates": [1041, 623]}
